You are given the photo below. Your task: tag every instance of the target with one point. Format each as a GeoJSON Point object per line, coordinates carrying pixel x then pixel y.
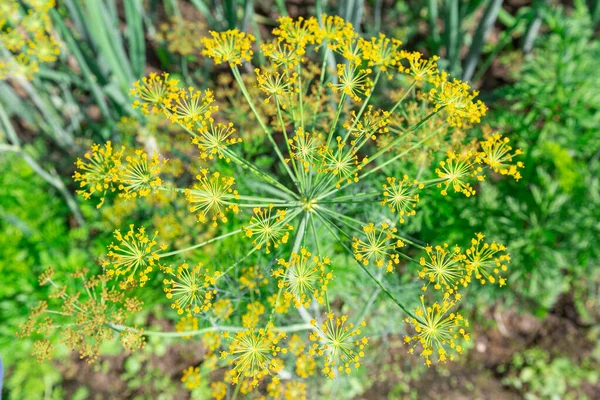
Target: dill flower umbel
{"type": "Point", "coordinates": [438, 331]}
{"type": "Point", "coordinates": [214, 139]}
{"type": "Point", "coordinates": [155, 92]}
{"type": "Point", "coordinates": [444, 269]}
{"type": "Point", "coordinates": [497, 154]}
{"type": "Point", "coordinates": [211, 197]}
{"type": "Point", "coordinates": [487, 261]}
{"type": "Point", "coordinates": [100, 172]}
{"type": "Point", "coordinates": [268, 230]}
{"type": "Point", "coordinates": [457, 170]}
{"type": "Point", "coordinates": [133, 252]}
{"type": "Point", "coordinates": [140, 175]}
{"type": "Point", "coordinates": [191, 377]}
{"type": "Point", "coordinates": [304, 276]}
{"type": "Point", "coordinates": [401, 196]}
{"type": "Point", "coordinates": [379, 246]}
{"type": "Point", "coordinates": [231, 46]}
{"type": "Point", "coordinates": [192, 290]}
{"type": "Point", "coordinates": [340, 343]}
{"type": "Point", "coordinates": [252, 352]}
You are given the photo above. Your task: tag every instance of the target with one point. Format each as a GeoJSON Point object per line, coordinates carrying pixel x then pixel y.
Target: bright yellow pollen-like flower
{"type": "Point", "coordinates": [437, 330]}
{"type": "Point", "coordinates": [131, 253]}
{"type": "Point", "coordinates": [496, 152]}
{"type": "Point", "coordinates": [191, 378]}
{"type": "Point", "coordinates": [100, 172]}
{"type": "Point", "coordinates": [456, 100]}
{"type": "Point", "coordinates": [381, 52]}
{"type": "Point", "coordinates": [155, 93]}
{"type": "Point", "coordinates": [340, 343]}
{"type": "Point", "coordinates": [444, 269]}
{"type": "Point", "coordinates": [232, 46]}
{"type": "Point", "coordinates": [487, 261]}
{"type": "Point", "coordinates": [252, 353]}
{"type": "Point", "coordinates": [191, 107]}
{"type": "Point", "coordinates": [379, 246]}
{"type": "Point", "coordinates": [305, 147]}
{"type": "Point", "coordinates": [214, 139]}
{"type": "Point", "coordinates": [140, 176]}
{"type": "Point", "coordinates": [192, 290]}
{"type": "Point", "coordinates": [353, 81]}
{"type": "Point", "coordinates": [419, 68]}
{"type": "Point", "coordinates": [401, 196]}
{"type": "Point", "coordinates": [456, 170]}
{"type": "Point", "coordinates": [303, 277]}
{"type": "Point", "coordinates": [268, 230]}
{"type": "Point", "coordinates": [211, 196]}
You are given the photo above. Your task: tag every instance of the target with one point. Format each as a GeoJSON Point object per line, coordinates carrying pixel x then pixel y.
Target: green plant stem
{"type": "Point", "coordinates": [197, 246]}
{"type": "Point", "coordinates": [240, 81]}
{"type": "Point", "coordinates": [122, 328]}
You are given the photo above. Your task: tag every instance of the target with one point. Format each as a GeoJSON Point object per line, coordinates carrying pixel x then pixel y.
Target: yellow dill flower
{"type": "Point", "coordinates": [354, 81]}
{"type": "Point", "coordinates": [401, 196]}
{"type": "Point", "coordinates": [496, 152]}
{"type": "Point", "coordinates": [191, 106]}
{"type": "Point", "coordinates": [444, 269]}
{"type": "Point", "coordinates": [13, 39]}
{"type": "Point", "coordinates": [252, 353]}
{"type": "Point", "coordinates": [344, 165]}
{"type": "Point", "coordinates": [456, 100]}
{"type": "Point", "coordinates": [252, 317]}
{"type": "Point", "coordinates": [339, 342]}
{"type": "Point", "coordinates": [218, 390]}
{"type": "Point", "coordinates": [487, 261]}
{"type": "Point", "coordinates": [252, 278]}
{"type": "Point", "coordinates": [131, 253]}
{"type": "Point", "coordinates": [181, 35]}
{"type": "Point", "coordinates": [222, 309]}
{"type": "Point", "coordinates": [279, 304]}
{"type": "Point", "coordinates": [296, 345]}
{"type": "Point", "coordinates": [305, 147]}
{"type": "Point", "coordinates": [155, 93]}
{"type": "Point", "coordinates": [303, 277]}
{"type": "Point", "coordinates": [44, 48]}
{"type": "Point", "coordinates": [211, 341]}
{"type": "Point", "coordinates": [295, 390]}
{"type": "Point", "coordinates": [191, 378]}
{"type": "Point", "coordinates": [381, 52]}
{"type": "Point", "coordinates": [192, 290]}
{"type": "Point", "coordinates": [140, 176]}
{"type": "Point", "coordinates": [214, 139]}
{"type": "Point", "coordinates": [298, 33]}
{"type": "Point", "coordinates": [9, 13]}
{"type": "Point", "coordinates": [232, 46]}
{"type": "Point", "coordinates": [268, 230]}
{"type": "Point", "coordinates": [335, 31]}
{"type": "Point", "coordinates": [211, 196]}
{"type": "Point", "coordinates": [305, 366]}
{"type": "Point", "coordinates": [419, 68]}
{"type": "Point", "coordinates": [100, 172]}
{"type": "Point", "coordinates": [437, 331]}
{"type": "Point", "coordinates": [36, 22]}
{"type": "Point", "coordinates": [42, 350]}
{"type": "Point", "coordinates": [274, 83]}
{"type": "Point", "coordinates": [282, 54]}
{"type": "Point", "coordinates": [187, 323]}
{"type": "Point", "coordinates": [369, 125]}
{"type": "Point", "coordinates": [40, 5]}
{"type": "Point", "coordinates": [379, 247]}
{"type": "Point", "coordinates": [456, 170]}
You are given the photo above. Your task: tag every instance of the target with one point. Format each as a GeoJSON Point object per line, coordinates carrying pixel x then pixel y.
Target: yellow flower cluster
{"type": "Point", "coordinates": [192, 290]}
{"type": "Point", "coordinates": [487, 261]}
{"type": "Point", "coordinates": [28, 36]}
{"type": "Point", "coordinates": [268, 230]}
{"type": "Point", "coordinates": [379, 247]}
{"type": "Point", "coordinates": [340, 343]}
{"type": "Point", "coordinates": [438, 331]}
{"type": "Point", "coordinates": [212, 196]}
{"type": "Point", "coordinates": [401, 196]}
{"type": "Point", "coordinates": [252, 353]}
{"type": "Point", "coordinates": [303, 277]}
{"type": "Point", "coordinates": [103, 171]}
{"type": "Point", "coordinates": [232, 46]}
{"type": "Point", "coordinates": [133, 252]}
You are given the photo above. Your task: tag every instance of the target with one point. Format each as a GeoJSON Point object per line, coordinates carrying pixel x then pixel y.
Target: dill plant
{"type": "Point", "coordinates": [335, 110]}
